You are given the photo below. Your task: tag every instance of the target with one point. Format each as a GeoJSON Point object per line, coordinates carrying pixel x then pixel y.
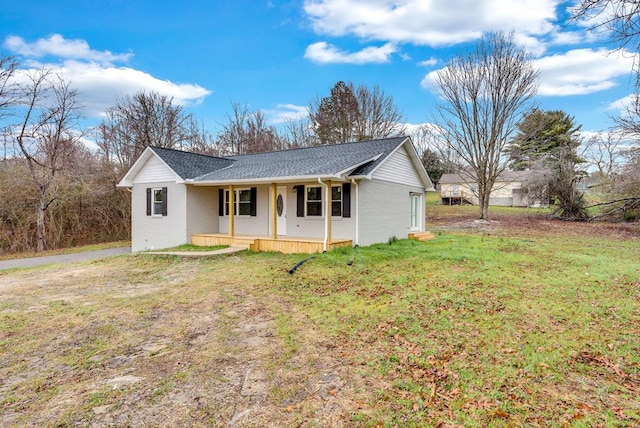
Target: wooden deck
{"type": "Point", "coordinates": [287, 245]}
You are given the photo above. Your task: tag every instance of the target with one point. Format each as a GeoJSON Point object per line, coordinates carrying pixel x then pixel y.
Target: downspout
{"type": "Point", "coordinates": [357, 213]}
{"type": "Point", "coordinates": [326, 216]}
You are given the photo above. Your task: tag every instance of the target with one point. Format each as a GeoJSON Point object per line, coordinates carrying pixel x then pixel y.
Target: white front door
{"type": "Point", "coordinates": [281, 210]}
{"type": "Point", "coordinates": [415, 213]}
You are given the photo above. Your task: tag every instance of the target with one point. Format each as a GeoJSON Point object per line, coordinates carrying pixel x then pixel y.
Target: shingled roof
{"type": "Point", "coordinates": [320, 161]}
{"type": "Point", "coordinates": [340, 161]}
{"type": "Point", "coordinates": [353, 159]}
{"type": "Point", "coordinates": [190, 165]}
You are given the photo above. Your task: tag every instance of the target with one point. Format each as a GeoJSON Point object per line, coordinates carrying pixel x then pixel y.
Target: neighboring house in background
{"type": "Point", "coordinates": [301, 200]}
{"type": "Point", "coordinates": [510, 189]}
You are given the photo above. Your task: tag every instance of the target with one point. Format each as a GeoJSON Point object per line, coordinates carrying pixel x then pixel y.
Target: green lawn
{"type": "Point", "coordinates": [486, 330]}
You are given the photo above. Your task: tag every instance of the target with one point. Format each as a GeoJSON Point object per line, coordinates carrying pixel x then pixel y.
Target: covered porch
{"type": "Point", "coordinates": [241, 231]}
{"type": "Point", "coordinates": [286, 245]}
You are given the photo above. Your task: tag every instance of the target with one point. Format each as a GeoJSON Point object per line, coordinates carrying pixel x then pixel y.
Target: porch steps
{"type": "Point", "coordinates": [422, 236]}
{"type": "Point", "coordinates": [212, 240]}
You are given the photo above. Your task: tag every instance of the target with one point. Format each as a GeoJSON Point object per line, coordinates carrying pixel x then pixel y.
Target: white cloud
{"type": "Point", "coordinates": [98, 81]}
{"type": "Point", "coordinates": [429, 22]}
{"type": "Point", "coordinates": [285, 112]}
{"type": "Point", "coordinates": [429, 80]}
{"type": "Point", "coordinates": [622, 104]}
{"type": "Point", "coordinates": [324, 53]}
{"type": "Point", "coordinates": [581, 71]}
{"type": "Point", "coordinates": [575, 72]}
{"type": "Point", "coordinates": [429, 62]}
{"type": "Point", "coordinates": [57, 46]}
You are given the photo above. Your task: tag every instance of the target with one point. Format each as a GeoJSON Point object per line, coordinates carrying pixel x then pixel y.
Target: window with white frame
{"type": "Point", "coordinates": [314, 201]}
{"type": "Point", "coordinates": [336, 201]}
{"type": "Point", "coordinates": [157, 201]}
{"type": "Point", "coordinates": [242, 202]}
{"type": "Point", "coordinates": [243, 196]}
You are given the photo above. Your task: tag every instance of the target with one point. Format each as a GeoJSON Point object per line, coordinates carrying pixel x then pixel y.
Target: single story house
{"type": "Point", "coordinates": [510, 189]}
{"type": "Point", "coordinates": [301, 200]}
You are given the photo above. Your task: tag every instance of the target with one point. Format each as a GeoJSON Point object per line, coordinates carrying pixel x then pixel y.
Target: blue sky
{"type": "Point", "coordinates": [277, 56]}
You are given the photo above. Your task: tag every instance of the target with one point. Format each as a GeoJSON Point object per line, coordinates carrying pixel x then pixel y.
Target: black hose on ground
{"type": "Point", "coordinates": [353, 256]}
{"type": "Point", "coordinates": [297, 265]}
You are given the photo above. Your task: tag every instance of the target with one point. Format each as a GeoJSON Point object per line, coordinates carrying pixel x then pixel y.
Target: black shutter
{"type": "Point", "coordinates": [148, 201]}
{"type": "Point", "coordinates": [300, 198]}
{"type": "Point", "coordinates": [221, 202]}
{"type": "Point", "coordinates": [346, 200]}
{"type": "Point", "coordinates": [164, 201]}
{"type": "Point", "coordinates": [254, 202]}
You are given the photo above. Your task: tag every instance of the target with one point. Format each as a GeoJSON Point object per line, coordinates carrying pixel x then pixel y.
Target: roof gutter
{"type": "Point", "coordinates": [265, 180]}
{"type": "Point", "coordinates": [326, 215]}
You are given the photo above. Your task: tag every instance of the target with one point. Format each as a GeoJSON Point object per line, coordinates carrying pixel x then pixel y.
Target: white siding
{"type": "Point", "coordinates": [313, 227]}
{"type": "Point", "coordinates": [154, 171]}
{"type": "Point", "coordinates": [385, 211]}
{"type": "Point", "coordinates": [202, 210]}
{"type": "Point", "coordinates": [398, 168]}
{"type": "Point", "coordinates": [248, 225]}
{"type": "Point", "coordinates": [156, 232]}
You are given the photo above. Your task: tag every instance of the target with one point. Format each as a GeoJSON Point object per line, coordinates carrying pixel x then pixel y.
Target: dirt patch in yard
{"type": "Point", "coordinates": [152, 341]}
{"type": "Point", "coordinates": [534, 225]}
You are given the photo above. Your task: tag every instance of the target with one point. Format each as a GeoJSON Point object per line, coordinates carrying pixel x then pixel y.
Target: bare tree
{"type": "Point", "coordinates": [8, 97]}
{"type": "Point", "coordinates": [47, 137]}
{"type": "Point", "coordinates": [354, 114]}
{"type": "Point", "coordinates": [482, 95]}
{"type": "Point", "coordinates": [142, 120]}
{"type": "Point", "coordinates": [429, 137]}
{"type": "Point", "coordinates": [199, 139]}
{"type": "Point", "coordinates": [602, 151]}
{"type": "Point", "coordinates": [298, 133]}
{"type": "Point", "coordinates": [378, 116]}
{"type": "Point", "coordinates": [247, 132]}
{"type": "Point", "coordinates": [620, 18]}
{"type": "Point", "coordinates": [8, 88]}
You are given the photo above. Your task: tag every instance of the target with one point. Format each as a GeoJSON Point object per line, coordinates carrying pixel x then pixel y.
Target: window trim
{"type": "Point", "coordinates": [322, 201]}
{"type": "Point", "coordinates": [306, 201]}
{"type": "Point", "coordinates": [251, 203]}
{"type": "Point", "coordinates": [341, 200]}
{"type": "Point", "coordinates": [157, 208]}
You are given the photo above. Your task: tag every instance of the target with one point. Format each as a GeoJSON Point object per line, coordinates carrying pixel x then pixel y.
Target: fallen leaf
{"type": "Point", "coordinates": [501, 414]}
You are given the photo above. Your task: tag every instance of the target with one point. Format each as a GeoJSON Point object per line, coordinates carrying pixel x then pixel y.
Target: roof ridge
{"type": "Point", "coordinates": [403, 137]}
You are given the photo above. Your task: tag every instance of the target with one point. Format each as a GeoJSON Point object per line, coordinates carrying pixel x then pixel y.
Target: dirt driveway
{"type": "Point", "coordinates": [155, 341]}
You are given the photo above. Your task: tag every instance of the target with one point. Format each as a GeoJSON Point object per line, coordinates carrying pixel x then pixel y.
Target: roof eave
{"type": "Point", "coordinates": [266, 180]}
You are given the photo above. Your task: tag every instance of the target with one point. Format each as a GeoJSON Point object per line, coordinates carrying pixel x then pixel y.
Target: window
{"type": "Point", "coordinates": [336, 201]}
{"type": "Point", "coordinates": [314, 201]}
{"type": "Point", "coordinates": [157, 201]}
{"type": "Point", "coordinates": [244, 202]}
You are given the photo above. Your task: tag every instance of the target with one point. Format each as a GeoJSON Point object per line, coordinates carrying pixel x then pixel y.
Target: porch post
{"type": "Point", "coordinates": [232, 214]}
{"type": "Point", "coordinates": [274, 213]}
{"type": "Point", "coordinates": [329, 211]}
